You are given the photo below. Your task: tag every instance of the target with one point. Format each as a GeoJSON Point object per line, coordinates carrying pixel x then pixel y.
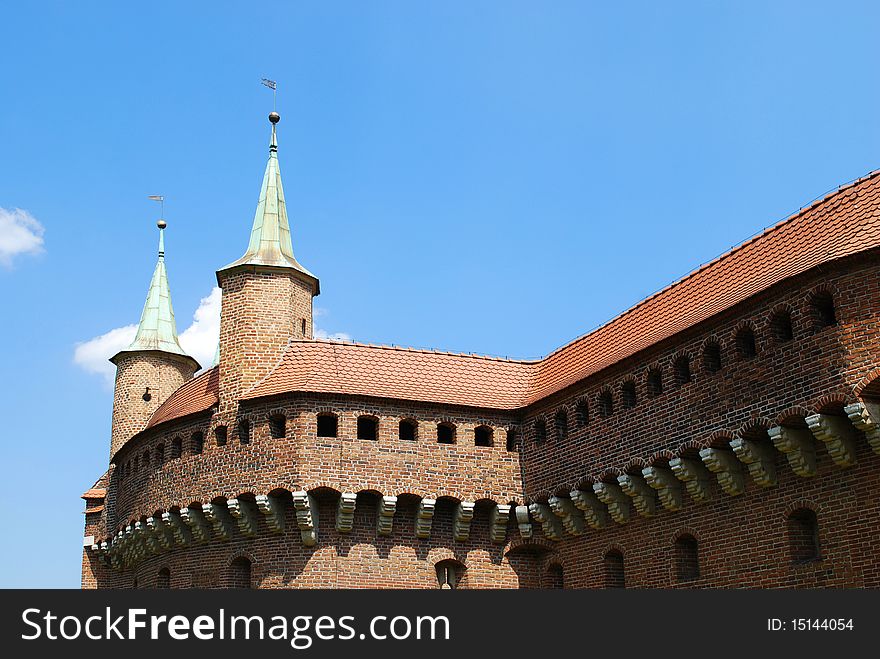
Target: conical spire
{"type": "Point", "coordinates": [157, 329]}
{"type": "Point", "coordinates": [270, 243]}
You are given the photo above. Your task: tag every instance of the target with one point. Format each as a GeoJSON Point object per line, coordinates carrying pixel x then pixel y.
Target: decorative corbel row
{"type": "Point", "coordinates": [220, 520]}
{"type": "Point", "coordinates": [759, 458]}
{"type": "Point", "coordinates": [197, 524]}
{"type": "Point", "coordinates": [523, 522]}
{"type": "Point", "coordinates": [694, 475]}
{"type": "Point", "coordinates": [425, 517]}
{"type": "Point", "coordinates": [726, 468]}
{"type": "Point", "coordinates": [595, 512]}
{"type": "Point", "coordinates": [666, 484]}
{"type": "Point", "coordinates": [837, 434]}
{"type": "Point", "coordinates": [177, 528]}
{"type": "Point", "coordinates": [145, 537]}
{"type": "Point", "coordinates": [618, 503]}
{"type": "Point", "coordinates": [243, 511]}
{"type": "Point", "coordinates": [461, 521]}
{"type": "Point", "coordinates": [866, 417]}
{"type": "Point", "coordinates": [306, 517]}
{"type": "Point", "coordinates": [550, 523]}
{"type": "Point", "coordinates": [273, 510]}
{"type": "Point", "coordinates": [572, 518]}
{"type": "Point", "coordinates": [498, 519]}
{"type": "Point", "coordinates": [798, 446]}
{"type": "Point", "coordinates": [640, 492]}
{"type": "Point", "coordinates": [345, 512]}
{"type": "Point", "coordinates": [387, 508]}
{"type": "Point", "coordinates": [160, 533]}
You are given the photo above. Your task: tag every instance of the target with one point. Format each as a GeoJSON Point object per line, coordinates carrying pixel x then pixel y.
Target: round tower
{"type": "Point", "coordinates": [267, 293]}
{"type": "Point", "coordinates": [154, 365]}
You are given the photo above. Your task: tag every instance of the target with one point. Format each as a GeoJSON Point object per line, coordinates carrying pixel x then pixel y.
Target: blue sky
{"type": "Point", "coordinates": [491, 177]}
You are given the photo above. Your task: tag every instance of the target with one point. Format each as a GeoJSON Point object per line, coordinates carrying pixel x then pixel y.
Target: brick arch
{"type": "Point", "coordinates": [585, 482]}
{"type": "Point", "coordinates": [690, 446]}
{"type": "Point", "coordinates": [718, 438]}
{"type": "Point", "coordinates": [745, 323]}
{"type": "Point", "coordinates": [686, 530]}
{"type": "Point", "coordinates": [610, 547]}
{"type": "Point", "coordinates": [796, 411]}
{"type": "Point", "coordinates": [517, 543]}
{"type": "Point", "coordinates": [437, 554]}
{"type": "Point", "coordinates": [661, 457]}
{"type": "Point", "coordinates": [319, 488]}
{"type": "Point", "coordinates": [609, 473]}
{"type": "Point", "coordinates": [869, 385]}
{"type": "Point", "coordinates": [716, 339]}
{"type": "Point", "coordinates": [829, 403]}
{"type": "Point", "coordinates": [756, 423]}
{"type": "Point", "coordinates": [802, 503]}
{"type": "Point", "coordinates": [635, 464]}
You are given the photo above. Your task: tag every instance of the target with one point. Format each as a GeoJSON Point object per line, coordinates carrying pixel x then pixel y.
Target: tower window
{"type": "Point", "coordinates": [163, 578]}
{"type": "Point", "coordinates": [555, 577]}
{"type": "Point", "coordinates": [239, 573]}
{"type": "Point", "coordinates": [483, 436]}
{"type": "Point", "coordinates": [687, 559]}
{"type": "Point", "coordinates": [745, 343]}
{"type": "Point", "coordinates": [606, 404]}
{"type": "Point", "coordinates": [160, 455]}
{"type": "Point", "coordinates": [654, 382]}
{"type": "Point", "coordinates": [561, 423]}
{"type": "Point", "coordinates": [244, 431]}
{"type": "Point", "coordinates": [582, 412]}
{"type": "Point", "coordinates": [328, 425]}
{"type": "Point", "coordinates": [803, 536]}
{"type": "Point", "coordinates": [368, 428]}
{"type": "Point", "coordinates": [824, 313]}
{"type": "Point", "coordinates": [197, 443]}
{"type": "Point", "coordinates": [408, 430]}
{"type": "Point", "coordinates": [540, 431]}
{"type": "Point", "coordinates": [628, 394]}
{"type": "Point", "coordinates": [176, 448]}
{"type": "Point", "coordinates": [780, 326]}
{"type": "Point", "coordinates": [220, 435]}
{"type": "Point", "coordinates": [682, 370]}
{"type": "Point", "coordinates": [303, 327]}
{"type": "Point", "coordinates": [712, 357]}
{"type": "Point", "coordinates": [449, 574]}
{"type": "Point", "coordinates": [277, 426]}
{"type": "Point", "coordinates": [510, 445]}
{"type": "Point", "coordinates": [445, 433]}
{"type": "Point", "coordinates": [613, 570]}
{"type": "Point", "coordinates": [147, 459]}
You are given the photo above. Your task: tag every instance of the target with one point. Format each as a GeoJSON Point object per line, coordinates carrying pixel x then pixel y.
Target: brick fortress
{"type": "Point", "coordinates": [721, 433]}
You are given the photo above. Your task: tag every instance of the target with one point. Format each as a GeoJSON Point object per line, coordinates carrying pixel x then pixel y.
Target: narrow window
{"type": "Point", "coordinates": [449, 573]}
{"type": "Point", "coordinates": [368, 428]}
{"type": "Point", "coordinates": [561, 423]}
{"type": "Point", "coordinates": [745, 343]}
{"type": "Point", "coordinates": [239, 573]}
{"type": "Point", "coordinates": [445, 433]}
{"type": "Point", "coordinates": [163, 578]}
{"type": "Point", "coordinates": [613, 568]}
{"type": "Point", "coordinates": [628, 394]}
{"type": "Point", "coordinates": [328, 425]}
{"type": "Point", "coordinates": [407, 430]}
{"type": "Point", "coordinates": [278, 426]}
{"type": "Point", "coordinates": [160, 455]}
{"type": "Point", "coordinates": [176, 448]}
{"type": "Point", "coordinates": [582, 412]}
{"type": "Point", "coordinates": [510, 445]}
{"type": "Point", "coordinates": [197, 443]}
{"type": "Point", "coordinates": [654, 382]}
{"type": "Point", "coordinates": [803, 535]}
{"type": "Point", "coordinates": [687, 560]}
{"type": "Point", "coordinates": [606, 404]}
{"type": "Point", "coordinates": [244, 431]}
{"type": "Point", "coordinates": [555, 577]}
{"type": "Point", "coordinates": [712, 357]}
{"type": "Point", "coordinates": [303, 327]}
{"type": "Point", "coordinates": [682, 370]}
{"type": "Point", "coordinates": [483, 436]}
{"type": "Point", "coordinates": [780, 327]}
{"type": "Point", "coordinates": [147, 459]}
{"type": "Point", "coordinates": [220, 435]}
{"type": "Point", "coordinates": [824, 312]}
{"type": "Point", "coordinates": [540, 431]}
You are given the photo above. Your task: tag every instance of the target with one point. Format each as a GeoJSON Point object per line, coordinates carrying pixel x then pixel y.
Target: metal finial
{"type": "Point", "coordinates": [161, 224]}
{"type": "Point", "coordinates": [274, 117]}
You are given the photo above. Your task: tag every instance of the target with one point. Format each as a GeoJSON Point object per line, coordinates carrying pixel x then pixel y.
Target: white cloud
{"type": "Point", "coordinates": [200, 338]}
{"type": "Point", "coordinates": [335, 336]}
{"type": "Point", "coordinates": [93, 355]}
{"type": "Point", "coordinates": [20, 233]}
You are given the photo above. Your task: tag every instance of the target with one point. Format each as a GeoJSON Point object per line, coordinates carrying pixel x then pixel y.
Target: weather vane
{"type": "Point", "coordinates": [271, 84]}
{"type": "Point", "coordinates": [161, 199]}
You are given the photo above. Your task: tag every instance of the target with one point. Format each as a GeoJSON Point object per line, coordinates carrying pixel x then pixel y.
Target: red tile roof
{"type": "Point", "coordinates": [198, 395]}
{"type": "Point", "coordinates": [843, 223]}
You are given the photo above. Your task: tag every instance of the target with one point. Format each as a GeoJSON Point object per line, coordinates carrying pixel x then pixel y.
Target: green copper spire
{"type": "Point", "coordinates": [157, 329]}
{"type": "Point", "coordinates": [270, 243]}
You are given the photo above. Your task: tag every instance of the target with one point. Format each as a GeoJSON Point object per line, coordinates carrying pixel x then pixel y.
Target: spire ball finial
{"type": "Point", "coordinates": [274, 117]}
{"type": "Point", "coordinates": [161, 224]}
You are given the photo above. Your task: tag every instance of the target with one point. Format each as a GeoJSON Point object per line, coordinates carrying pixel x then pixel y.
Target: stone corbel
{"type": "Point", "coordinates": [306, 517]}
{"type": "Point", "coordinates": [759, 458]}
{"type": "Point", "coordinates": [643, 497]}
{"type": "Point", "coordinates": [618, 503]}
{"type": "Point", "coordinates": [866, 417]}
{"type": "Point", "coordinates": [572, 518]}
{"type": "Point", "coordinates": [726, 468]}
{"type": "Point", "coordinates": [498, 518]}
{"type": "Point", "coordinates": [179, 531]}
{"type": "Point", "coordinates": [243, 511]}
{"type": "Point", "coordinates": [273, 510]}
{"type": "Point", "coordinates": [668, 487]}
{"type": "Point", "coordinates": [425, 517]}
{"type": "Point", "coordinates": [837, 434]}
{"type": "Point", "coordinates": [461, 521]}
{"type": "Point", "coordinates": [595, 512]}
{"type": "Point", "coordinates": [694, 475]}
{"type": "Point", "coordinates": [145, 533]}
{"type": "Point", "coordinates": [387, 508]}
{"type": "Point", "coordinates": [550, 523]}
{"type": "Point", "coordinates": [160, 533]}
{"type": "Point", "coordinates": [198, 525]}
{"type": "Point", "coordinates": [798, 446]}
{"type": "Point", "coordinates": [219, 518]}
{"type": "Point", "coordinates": [523, 522]}
{"type": "Point", "coordinates": [345, 512]}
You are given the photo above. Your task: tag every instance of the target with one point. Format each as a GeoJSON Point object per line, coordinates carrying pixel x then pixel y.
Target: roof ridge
{"type": "Point", "coordinates": [817, 201]}
{"type": "Point", "coordinates": [185, 385]}
{"type": "Point", "coordinates": [429, 351]}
